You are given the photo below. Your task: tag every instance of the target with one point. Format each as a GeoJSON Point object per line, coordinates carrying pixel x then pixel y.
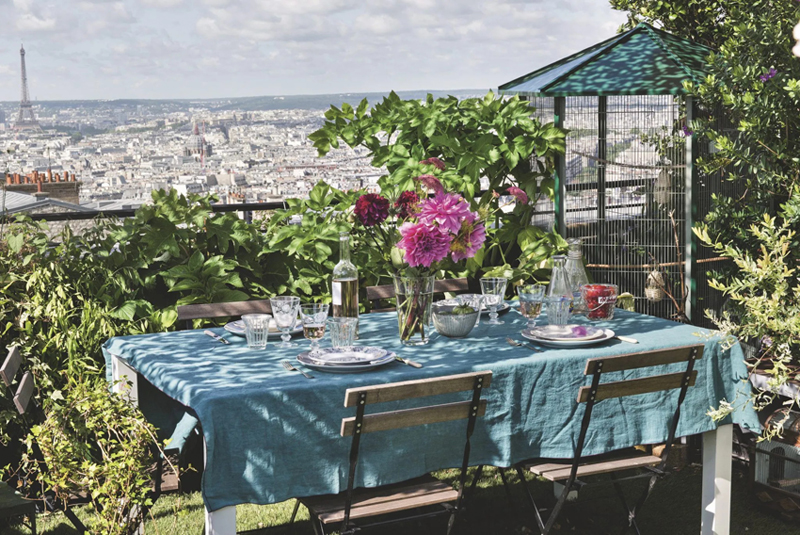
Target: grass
{"type": "Point", "coordinates": [672, 509]}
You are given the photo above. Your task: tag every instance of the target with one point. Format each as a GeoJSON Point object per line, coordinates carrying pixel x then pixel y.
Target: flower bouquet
{"type": "Point", "coordinates": [420, 232]}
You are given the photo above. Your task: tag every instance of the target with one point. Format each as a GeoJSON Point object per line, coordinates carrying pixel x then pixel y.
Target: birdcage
{"type": "Point", "coordinates": [628, 185]}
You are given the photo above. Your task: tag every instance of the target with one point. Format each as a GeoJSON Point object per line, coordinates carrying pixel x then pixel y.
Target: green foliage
{"type": "Point", "coordinates": [765, 300]}
{"type": "Point", "coordinates": [95, 441]}
{"type": "Point", "coordinates": [487, 145]}
{"type": "Point", "coordinates": [749, 105]}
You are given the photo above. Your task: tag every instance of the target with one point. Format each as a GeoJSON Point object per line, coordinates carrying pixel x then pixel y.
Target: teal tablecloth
{"type": "Point", "coordinates": [273, 434]}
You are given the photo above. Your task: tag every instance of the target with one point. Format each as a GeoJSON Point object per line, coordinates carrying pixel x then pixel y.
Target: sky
{"type": "Point", "coordinates": [150, 49]}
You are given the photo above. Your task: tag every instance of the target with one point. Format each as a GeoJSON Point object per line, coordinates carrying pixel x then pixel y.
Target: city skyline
{"type": "Point", "coordinates": [181, 49]}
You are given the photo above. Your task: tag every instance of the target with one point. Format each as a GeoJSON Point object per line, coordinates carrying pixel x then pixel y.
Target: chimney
{"type": "Point", "coordinates": [49, 175]}
{"type": "Point", "coordinates": [8, 179]}
{"type": "Point", "coordinates": [16, 179]}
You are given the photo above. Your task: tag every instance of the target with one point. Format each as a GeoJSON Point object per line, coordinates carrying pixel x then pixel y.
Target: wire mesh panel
{"type": "Point", "coordinates": [544, 216]}
{"type": "Point", "coordinates": [628, 206]}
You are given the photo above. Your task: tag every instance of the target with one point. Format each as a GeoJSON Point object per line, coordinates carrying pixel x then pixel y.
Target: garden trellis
{"type": "Point", "coordinates": [628, 184]}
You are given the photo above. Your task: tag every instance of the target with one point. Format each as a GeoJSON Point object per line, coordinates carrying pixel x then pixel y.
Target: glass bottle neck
{"type": "Point", "coordinates": [344, 247]}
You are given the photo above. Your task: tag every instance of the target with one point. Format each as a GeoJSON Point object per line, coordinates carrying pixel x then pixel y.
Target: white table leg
{"type": "Point", "coordinates": [122, 371]}
{"type": "Point", "coordinates": [717, 471]}
{"type": "Point", "coordinates": [222, 521]}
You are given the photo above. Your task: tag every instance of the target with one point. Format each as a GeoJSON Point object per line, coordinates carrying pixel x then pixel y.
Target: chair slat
{"type": "Point", "coordinates": [384, 421]}
{"type": "Point", "coordinates": [382, 500]}
{"type": "Point", "coordinates": [385, 291]}
{"type": "Point", "coordinates": [221, 310]}
{"type": "Point", "coordinates": [645, 359]}
{"type": "Point", "coordinates": [634, 387]}
{"type": "Point", "coordinates": [24, 393]}
{"type": "Point", "coordinates": [560, 471]}
{"type": "Point", "coordinates": [11, 365]}
{"type": "Point", "coordinates": [417, 389]}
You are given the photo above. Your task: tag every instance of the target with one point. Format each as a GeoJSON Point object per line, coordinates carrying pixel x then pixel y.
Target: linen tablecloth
{"type": "Point", "coordinates": [272, 434]}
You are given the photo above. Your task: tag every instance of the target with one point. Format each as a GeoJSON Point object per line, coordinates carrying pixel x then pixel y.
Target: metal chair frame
{"type": "Point", "coordinates": [572, 483]}
{"type": "Point", "coordinates": [348, 527]}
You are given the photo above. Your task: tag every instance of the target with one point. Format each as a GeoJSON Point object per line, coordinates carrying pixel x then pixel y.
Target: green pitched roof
{"type": "Point", "coordinates": [641, 61]}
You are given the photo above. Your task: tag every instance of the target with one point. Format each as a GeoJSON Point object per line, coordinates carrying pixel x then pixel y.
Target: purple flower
{"type": "Point", "coordinates": [406, 204]}
{"type": "Point", "coordinates": [471, 239]}
{"type": "Point", "coordinates": [769, 75]}
{"type": "Point", "coordinates": [448, 210]}
{"type": "Point", "coordinates": [686, 131]}
{"type": "Point", "coordinates": [436, 162]}
{"type": "Point", "coordinates": [424, 244]}
{"type": "Point", "coordinates": [431, 182]}
{"type": "Point", "coordinates": [520, 195]}
{"type": "Point", "coordinates": [372, 209]}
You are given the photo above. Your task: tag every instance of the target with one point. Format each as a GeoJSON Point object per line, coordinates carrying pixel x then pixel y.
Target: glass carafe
{"type": "Point", "coordinates": [577, 275]}
{"type": "Point", "coordinates": [560, 285]}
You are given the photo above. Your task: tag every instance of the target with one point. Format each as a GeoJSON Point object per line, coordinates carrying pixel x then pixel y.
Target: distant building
{"type": "Point", "coordinates": [196, 144]}
{"type": "Point", "coordinates": [2, 117]}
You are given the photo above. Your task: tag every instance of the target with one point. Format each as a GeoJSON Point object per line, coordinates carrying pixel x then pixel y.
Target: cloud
{"type": "Point", "coordinates": [204, 48]}
{"type": "Point", "coordinates": [162, 3]}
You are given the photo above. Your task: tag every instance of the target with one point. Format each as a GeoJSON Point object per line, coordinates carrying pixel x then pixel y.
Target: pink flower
{"type": "Point", "coordinates": [423, 244]}
{"type": "Point", "coordinates": [372, 209]}
{"type": "Point", "coordinates": [436, 162]}
{"type": "Point", "coordinates": [431, 182]}
{"type": "Point", "coordinates": [471, 239]}
{"type": "Point", "coordinates": [521, 196]}
{"type": "Point", "coordinates": [448, 210]}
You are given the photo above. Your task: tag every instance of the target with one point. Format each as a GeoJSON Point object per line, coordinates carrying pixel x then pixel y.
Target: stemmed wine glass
{"type": "Point", "coordinates": [314, 316]}
{"type": "Point", "coordinates": [530, 302]}
{"type": "Point", "coordinates": [284, 310]}
{"type": "Point", "coordinates": [494, 291]}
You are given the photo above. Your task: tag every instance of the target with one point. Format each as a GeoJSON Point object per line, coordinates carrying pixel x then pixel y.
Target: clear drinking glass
{"type": "Point", "coordinates": [343, 331]}
{"type": "Point", "coordinates": [558, 310]}
{"type": "Point", "coordinates": [314, 316]}
{"type": "Point", "coordinates": [494, 291]}
{"type": "Point", "coordinates": [256, 330]}
{"type": "Point", "coordinates": [285, 310]}
{"type": "Point", "coordinates": [475, 301]}
{"type": "Point", "coordinates": [531, 297]}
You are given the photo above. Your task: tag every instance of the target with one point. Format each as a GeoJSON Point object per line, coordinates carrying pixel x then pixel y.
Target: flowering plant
{"type": "Point", "coordinates": [421, 231]}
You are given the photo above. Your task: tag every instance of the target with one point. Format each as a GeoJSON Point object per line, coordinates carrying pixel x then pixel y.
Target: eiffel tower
{"type": "Point", "coordinates": [26, 120]}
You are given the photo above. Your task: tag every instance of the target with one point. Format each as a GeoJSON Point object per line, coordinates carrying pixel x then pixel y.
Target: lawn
{"type": "Point", "coordinates": [673, 509]}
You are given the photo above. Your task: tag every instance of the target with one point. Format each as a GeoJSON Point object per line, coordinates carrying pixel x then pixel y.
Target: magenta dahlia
{"type": "Point", "coordinates": [372, 209]}
{"type": "Point", "coordinates": [448, 210]}
{"type": "Point", "coordinates": [423, 244]}
{"type": "Point", "coordinates": [406, 204]}
{"type": "Point", "coordinates": [470, 240]}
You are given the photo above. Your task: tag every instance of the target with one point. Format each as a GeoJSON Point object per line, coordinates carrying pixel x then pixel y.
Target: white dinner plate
{"type": "Point", "coordinates": [561, 333]}
{"type": "Point", "coordinates": [305, 360]}
{"type": "Point", "coordinates": [347, 356]}
{"type": "Point", "coordinates": [237, 328]}
{"type": "Point", "coordinates": [607, 335]}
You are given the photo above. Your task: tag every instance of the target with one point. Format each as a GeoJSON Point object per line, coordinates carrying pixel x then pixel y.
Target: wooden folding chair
{"type": "Point", "coordinates": [376, 294]}
{"type": "Point", "coordinates": [344, 509]}
{"type": "Point", "coordinates": [188, 313]}
{"type": "Point", "coordinates": [567, 472]}
{"type": "Point", "coordinates": [11, 503]}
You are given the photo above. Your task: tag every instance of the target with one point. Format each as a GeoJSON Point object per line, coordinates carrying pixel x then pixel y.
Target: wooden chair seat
{"type": "Point", "coordinates": [13, 504]}
{"type": "Point", "coordinates": [420, 492]}
{"type": "Point", "coordinates": [600, 464]}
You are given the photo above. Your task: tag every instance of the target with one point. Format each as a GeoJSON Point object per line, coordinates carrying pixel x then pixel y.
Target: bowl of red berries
{"type": "Point", "coordinates": [600, 300]}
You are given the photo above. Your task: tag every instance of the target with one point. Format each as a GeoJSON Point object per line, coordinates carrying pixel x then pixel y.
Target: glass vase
{"type": "Point", "coordinates": [414, 301]}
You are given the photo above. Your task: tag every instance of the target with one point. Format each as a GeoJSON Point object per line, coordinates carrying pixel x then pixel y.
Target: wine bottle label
{"type": "Point", "coordinates": [337, 293]}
